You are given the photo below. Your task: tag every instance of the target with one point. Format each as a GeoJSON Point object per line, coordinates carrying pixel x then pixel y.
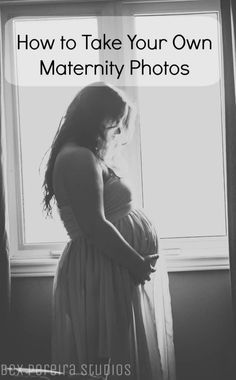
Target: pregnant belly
{"type": "Point", "coordinates": [139, 232]}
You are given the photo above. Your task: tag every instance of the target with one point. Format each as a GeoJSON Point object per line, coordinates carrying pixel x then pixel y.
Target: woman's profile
{"type": "Point", "coordinates": [111, 307]}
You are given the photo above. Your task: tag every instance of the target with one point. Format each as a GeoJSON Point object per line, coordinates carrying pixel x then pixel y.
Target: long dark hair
{"type": "Point", "coordinates": [83, 124]}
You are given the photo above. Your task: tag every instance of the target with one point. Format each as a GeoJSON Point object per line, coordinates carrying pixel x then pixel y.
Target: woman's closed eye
{"type": "Point", "coordinates": [115, 128]}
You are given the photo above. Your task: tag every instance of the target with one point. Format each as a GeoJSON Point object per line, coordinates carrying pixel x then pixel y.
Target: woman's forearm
{"type": "Point", "coordinates": [108, 239]}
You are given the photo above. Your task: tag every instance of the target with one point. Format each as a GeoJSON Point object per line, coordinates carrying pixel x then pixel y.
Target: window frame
{"type": "Point", "coordinates": [182, 254]}
{"type": "Point", "coordinates": [195, 250]}
{"type": "Point", "coordinates": [28, 259]}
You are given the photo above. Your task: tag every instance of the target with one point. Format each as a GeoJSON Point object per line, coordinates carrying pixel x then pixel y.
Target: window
{"type": "Point", "coordinates": [177, 156]}
{"type": "Point", "coordinates": [182, 141]}
{"type": "Point", "coordinates": [40, 110]}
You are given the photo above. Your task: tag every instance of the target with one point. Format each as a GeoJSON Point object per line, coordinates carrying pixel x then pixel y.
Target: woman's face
{"type": "Point", "coordinates": [113, 136]}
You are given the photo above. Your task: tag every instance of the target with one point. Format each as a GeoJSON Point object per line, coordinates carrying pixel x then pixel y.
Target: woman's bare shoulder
{"type": "Point", "coordinates": [75, 168]}
{"type": "Point", "coordinates": [72, 149]}
{"type": "Point", "coordinates": [74, 156]}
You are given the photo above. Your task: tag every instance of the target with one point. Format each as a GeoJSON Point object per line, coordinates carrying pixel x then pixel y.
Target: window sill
{"type": "Point", "coordinates": [46, 267]}
{"type": "Point", "coordinates": [185, 263]}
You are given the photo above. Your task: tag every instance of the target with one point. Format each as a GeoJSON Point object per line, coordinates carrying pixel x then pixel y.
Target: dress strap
{"type": "Point", "coordinates": [110, 172]}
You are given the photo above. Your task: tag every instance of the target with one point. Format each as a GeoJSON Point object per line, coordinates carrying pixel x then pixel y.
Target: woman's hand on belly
{"type": "Point", "coordinates": [143, 272]}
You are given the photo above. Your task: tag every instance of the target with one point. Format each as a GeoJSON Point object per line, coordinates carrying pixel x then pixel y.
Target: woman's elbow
{"type": "Point", "coordinates": [94, 227]}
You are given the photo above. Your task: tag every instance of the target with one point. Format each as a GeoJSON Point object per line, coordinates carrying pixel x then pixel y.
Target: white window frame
{"type": "Point", "coordinates": [196, 252]}
{"type": "Point", "coordinates": [183, 254]}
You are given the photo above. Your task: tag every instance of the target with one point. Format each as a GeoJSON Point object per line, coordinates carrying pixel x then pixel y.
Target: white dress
{"type": "Point", "coordinates": [99, 314]}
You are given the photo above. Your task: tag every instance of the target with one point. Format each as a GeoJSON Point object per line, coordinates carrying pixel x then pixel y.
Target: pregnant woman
{"type": "Point", "coordinates": [111, 305]}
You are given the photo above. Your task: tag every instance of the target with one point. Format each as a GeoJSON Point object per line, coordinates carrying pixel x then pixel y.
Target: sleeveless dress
{"type": "Point", "coordinates": [103, 324]}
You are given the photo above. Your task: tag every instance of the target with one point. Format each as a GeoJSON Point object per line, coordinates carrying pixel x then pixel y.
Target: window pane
{"type": "Point", "coordinates": [40, 112]}
{"type": "Point", "coordinates": [182, 154]}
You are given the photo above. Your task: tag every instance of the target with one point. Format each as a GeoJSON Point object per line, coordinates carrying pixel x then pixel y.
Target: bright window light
{"type": "Point", "coordinates": [182, 154]}
{"type": "Point", "coordinates": [40, 111]}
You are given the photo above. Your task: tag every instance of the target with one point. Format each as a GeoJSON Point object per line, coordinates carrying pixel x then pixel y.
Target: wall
{"type": "Point", "coordinates": [202, 313]}
{"type": "Point", "coordinates": [203, 325]}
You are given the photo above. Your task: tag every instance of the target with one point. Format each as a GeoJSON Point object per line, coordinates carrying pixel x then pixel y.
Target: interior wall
{"type": "Point", "coordinates": [203, 324]}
